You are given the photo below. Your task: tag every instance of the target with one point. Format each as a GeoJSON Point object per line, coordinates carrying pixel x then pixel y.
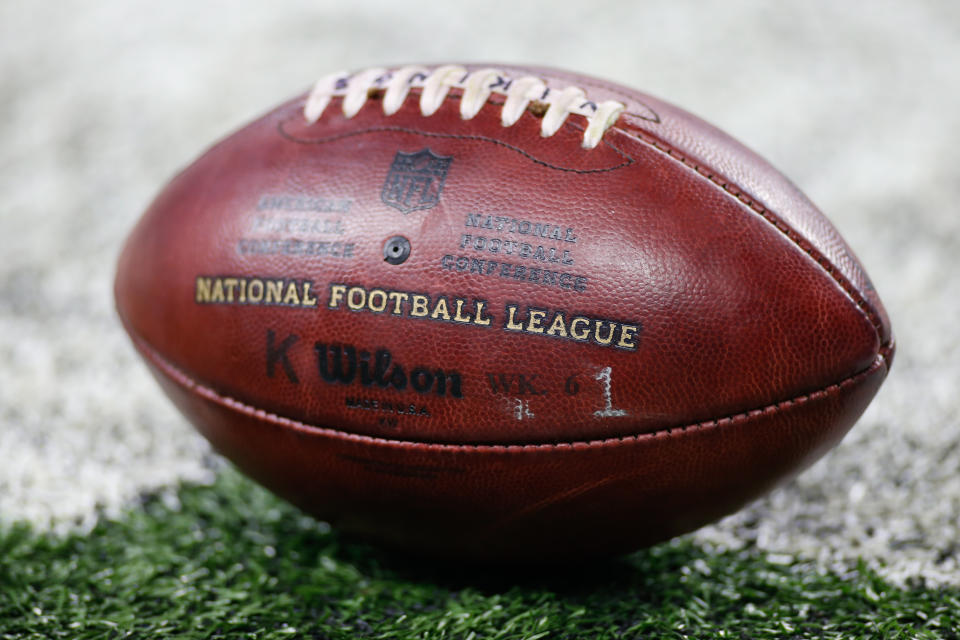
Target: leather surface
{"type": "Point", "coordinates": [533, 502]}
{"type": "Point", "coordinates": [741, 296]}
{"type": "Point", "coordinates": [745, 175]}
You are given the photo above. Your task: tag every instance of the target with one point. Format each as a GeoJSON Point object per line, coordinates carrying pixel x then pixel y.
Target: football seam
{"type": "Point", "coordinates": [179, 376]}
{"type": "Point", "coordinates": [738, 192]}
{"type": "Point", "coordinates": [432, 134]}
{"type": "Point", "coordinates": [714, 176]}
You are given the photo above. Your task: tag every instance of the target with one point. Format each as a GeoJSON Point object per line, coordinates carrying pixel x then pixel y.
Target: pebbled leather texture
{"type": "Point", "coordinates": [746, 339]}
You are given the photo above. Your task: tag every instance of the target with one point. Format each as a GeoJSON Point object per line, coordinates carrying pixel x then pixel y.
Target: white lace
{"type": "Point", "coordinates": [477, 86]}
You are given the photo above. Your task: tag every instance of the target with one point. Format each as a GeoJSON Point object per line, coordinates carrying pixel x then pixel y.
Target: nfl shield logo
{"type": "Point", "coordinates": [415, 180]}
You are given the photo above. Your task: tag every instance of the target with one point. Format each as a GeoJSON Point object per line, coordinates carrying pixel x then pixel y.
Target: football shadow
{"type": "Point", "coordinates": [648, 571]}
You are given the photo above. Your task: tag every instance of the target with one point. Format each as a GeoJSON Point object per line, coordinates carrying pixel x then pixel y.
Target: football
{"type": "Point", "coordinates": [501, 312]}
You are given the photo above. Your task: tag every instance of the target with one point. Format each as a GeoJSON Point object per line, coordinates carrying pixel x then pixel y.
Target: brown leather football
{"type": "Point", "coordinates": [504, 313]}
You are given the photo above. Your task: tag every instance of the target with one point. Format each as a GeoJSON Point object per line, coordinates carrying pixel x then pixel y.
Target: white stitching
{"type": "Point", "coordinates": [476, 86]}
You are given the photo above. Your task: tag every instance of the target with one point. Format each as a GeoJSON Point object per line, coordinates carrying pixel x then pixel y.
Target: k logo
{"type": "Point", "coordinates": [415, 180]}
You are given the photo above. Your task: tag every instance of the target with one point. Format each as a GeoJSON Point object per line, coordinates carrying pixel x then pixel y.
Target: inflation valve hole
{"type": "Point", "coordinates": [396, 250]}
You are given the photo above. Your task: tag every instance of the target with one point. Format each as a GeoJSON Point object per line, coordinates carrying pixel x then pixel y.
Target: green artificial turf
{"type": "Point", "coordinates": [232, 561]}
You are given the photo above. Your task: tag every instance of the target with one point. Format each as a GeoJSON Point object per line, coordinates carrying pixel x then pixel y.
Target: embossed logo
{"type": "Point", "coordinates": [415, 180]}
